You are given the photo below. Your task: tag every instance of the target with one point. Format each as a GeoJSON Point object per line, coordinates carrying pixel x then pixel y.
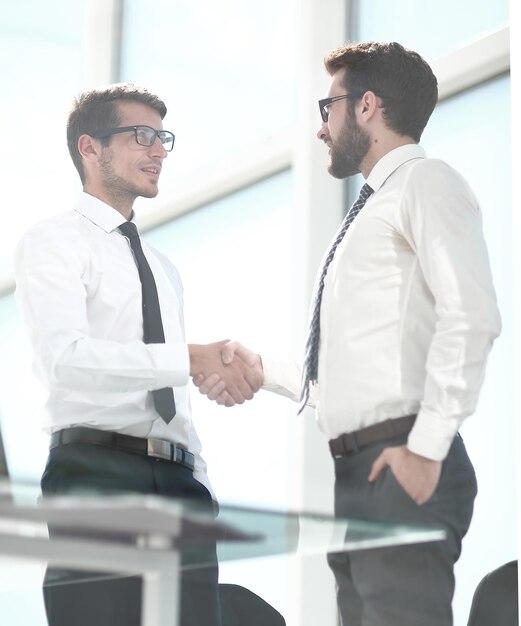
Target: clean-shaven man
{"type": "Point", "coordinates": [105, 316]}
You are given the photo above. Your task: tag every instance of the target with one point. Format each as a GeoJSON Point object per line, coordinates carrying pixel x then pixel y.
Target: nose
{"type": "Point", "coordinates": [323, 132]}
{"type": "Point", "coordinates": [158, 149]}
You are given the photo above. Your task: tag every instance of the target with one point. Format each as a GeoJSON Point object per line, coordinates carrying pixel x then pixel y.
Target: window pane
{"type": "Point", "coordinates": [41, 64]}
{"type": "Point", "coordinates": [433, 30]}
{"type": "Point", "coordinates": [225, 70]}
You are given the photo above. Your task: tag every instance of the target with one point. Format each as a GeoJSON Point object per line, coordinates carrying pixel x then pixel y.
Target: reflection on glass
{"type": "Point", "coordinates": [148, 522]}
{"type": "Point", "coordinates": [135, 534]}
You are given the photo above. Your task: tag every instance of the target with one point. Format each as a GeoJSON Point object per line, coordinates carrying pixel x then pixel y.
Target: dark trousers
{"type": "Point", "coordinates": [405, 585]}
{"type": "Point", "coordinates": [99, 599]}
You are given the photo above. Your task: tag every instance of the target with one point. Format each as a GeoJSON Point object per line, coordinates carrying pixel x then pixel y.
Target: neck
{"type": "Point", "coordinates": [380, 146]}
{"type": "Point", "coordinates": [121, 202]}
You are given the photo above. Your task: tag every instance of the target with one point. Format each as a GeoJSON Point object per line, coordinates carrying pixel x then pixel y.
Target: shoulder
{"type": "Point", "coordinates": [56, 227]}
{"type": "Point", "coordinates": [434, 196]}
{"type": "Point", "coordinates": [435, 182]}
{"type": "Point", "coordinates": [54, 236]}
{"type": "Point", "coordinates": [435, 173]}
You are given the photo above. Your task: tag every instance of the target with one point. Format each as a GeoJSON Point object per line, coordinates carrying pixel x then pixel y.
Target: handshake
{"type": "Point", "coordinates": [226, 371]}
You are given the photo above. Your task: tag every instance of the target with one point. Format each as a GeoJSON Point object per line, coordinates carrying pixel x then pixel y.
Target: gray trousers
{"type": "Point", "coordinates": [404, 585]}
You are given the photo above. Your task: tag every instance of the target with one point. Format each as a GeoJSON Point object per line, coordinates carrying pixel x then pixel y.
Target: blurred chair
{"type": "Point", "coordinates": [241, 607]}
{"type": "Point", "coordinates": [3, 461]}
{"type": "Point", "coordinates": [495, 601]}
{"type": "Point", "coordinates": [5, 489]}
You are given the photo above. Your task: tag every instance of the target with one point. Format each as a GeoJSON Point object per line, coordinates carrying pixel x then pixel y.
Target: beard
{"type": "Point", "coordinates": [119, 187]}
{"type": "Point", "coordinates": [348, 152]}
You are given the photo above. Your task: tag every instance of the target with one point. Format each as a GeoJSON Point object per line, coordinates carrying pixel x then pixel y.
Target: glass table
{"type": "Point", "coordinates": [133, 534]}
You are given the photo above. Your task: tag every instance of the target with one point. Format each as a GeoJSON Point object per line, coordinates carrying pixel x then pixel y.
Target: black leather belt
{"type": "Point", "coordinates": [352, 442]}
{"type": "Point", "coordinates": [158, 448]}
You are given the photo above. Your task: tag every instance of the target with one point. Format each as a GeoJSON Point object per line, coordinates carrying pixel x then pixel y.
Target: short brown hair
{"type": "Point", "coordinates": [97, 109]}
{"type": "Point", "coordinates": [400, 77]}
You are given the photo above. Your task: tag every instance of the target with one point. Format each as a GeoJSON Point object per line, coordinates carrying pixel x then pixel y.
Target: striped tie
{"type": "Point", "coordinates": [310, 369]}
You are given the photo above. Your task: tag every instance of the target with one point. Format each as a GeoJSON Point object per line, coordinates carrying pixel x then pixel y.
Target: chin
{"type": "Point", "coordinates": [149, 193]}
{"type": "Point", "coordinates": [342, 172]}
{"type": "Point", "coordinates": [333, 170]}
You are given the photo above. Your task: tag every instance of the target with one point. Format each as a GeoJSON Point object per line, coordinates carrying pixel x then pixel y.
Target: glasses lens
{"type": "Point", "coordinates": [145, 136]}
{"type": "Point", "coordinates": [324, 113]}
{"type": "Point", "coordinates": [167, 139]}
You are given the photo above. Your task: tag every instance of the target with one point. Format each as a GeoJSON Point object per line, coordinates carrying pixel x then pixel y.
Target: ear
{"type": "Point", "coordinates": [89, 148]}
{"type": "Point", "coordinates": [369, 106]}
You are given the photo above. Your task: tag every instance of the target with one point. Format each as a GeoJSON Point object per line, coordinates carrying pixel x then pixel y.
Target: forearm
{"type": "Point", "coordinates": [455, 372]}
{"type": "Point", "coordinates": [88, 364]}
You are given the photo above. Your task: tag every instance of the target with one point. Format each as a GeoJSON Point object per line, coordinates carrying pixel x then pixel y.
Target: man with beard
{"type": "Point", "coordinates": [402, 321]}
{"type": "Point", "coordinates": [105, 313]}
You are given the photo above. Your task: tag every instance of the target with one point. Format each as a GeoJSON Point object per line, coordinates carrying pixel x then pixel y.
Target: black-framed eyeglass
{"type": "Point", "coordinates": [144, 135]}
{"type": "Point", "coordinates": [326, 102]}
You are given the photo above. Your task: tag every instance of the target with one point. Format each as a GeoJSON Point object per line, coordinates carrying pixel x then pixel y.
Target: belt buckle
{"type": "Point", "coordinates": [160, 449]}
{"type": "Point", "coordinates": [179, 455]}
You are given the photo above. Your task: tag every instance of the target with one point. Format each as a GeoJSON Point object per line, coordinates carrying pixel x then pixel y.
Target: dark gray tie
{"type": "Point", "coordinates": [310, 368]}
{"type": "Point", "coordinates": [152, 324]}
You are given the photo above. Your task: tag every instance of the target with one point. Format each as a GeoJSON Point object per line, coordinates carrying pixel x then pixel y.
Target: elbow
{"type": "Point", "coordinates": [58, 364]}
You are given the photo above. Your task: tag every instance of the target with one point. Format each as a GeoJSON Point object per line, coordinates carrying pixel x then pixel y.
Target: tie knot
{"type": "Point", "coordinates": [129, 229]}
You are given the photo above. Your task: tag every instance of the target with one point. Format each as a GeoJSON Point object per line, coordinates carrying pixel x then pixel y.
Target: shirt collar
{"type": "Point", "coordinates": [100, 213]}
{"type": "Point", "coordinates": [391, 161]}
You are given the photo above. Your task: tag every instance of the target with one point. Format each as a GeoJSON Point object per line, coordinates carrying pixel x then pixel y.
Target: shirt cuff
{"type": "Point", "coordinates": [272, 373]}
{"type": "Point", "coordinates": [431, 436]}
{"type": "Point", "coordinates": [282, 377]}
{"type": "Point", "coordinates": [171, 364]}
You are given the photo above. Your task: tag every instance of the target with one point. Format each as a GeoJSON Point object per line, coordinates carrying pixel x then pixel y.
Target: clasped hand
{"type": "Point", "coordinates": [225, 371]}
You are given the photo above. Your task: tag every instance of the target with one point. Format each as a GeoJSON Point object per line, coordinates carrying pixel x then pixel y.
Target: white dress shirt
{"type": "Point", "coordinates": [79, 290]}
{"type": "Point", "coordinates": [408, 312]}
